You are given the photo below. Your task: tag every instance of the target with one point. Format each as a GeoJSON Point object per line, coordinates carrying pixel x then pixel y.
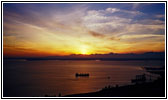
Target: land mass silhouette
{"type": "Point", "coordinates": [110, 56]}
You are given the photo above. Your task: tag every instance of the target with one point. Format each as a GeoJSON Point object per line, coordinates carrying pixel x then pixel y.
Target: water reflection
{"type": "Point", "coordinates": [38, 78]}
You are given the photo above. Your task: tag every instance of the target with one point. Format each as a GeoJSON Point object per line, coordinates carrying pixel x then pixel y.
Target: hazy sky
{"type": "Point", "coordinates": [80, 28]}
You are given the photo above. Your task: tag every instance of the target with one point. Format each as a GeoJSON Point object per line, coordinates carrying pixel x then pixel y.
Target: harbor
{"type": "Point", "coordinates": [141, 88]}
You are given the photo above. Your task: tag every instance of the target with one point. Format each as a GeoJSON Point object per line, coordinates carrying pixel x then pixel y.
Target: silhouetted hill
{"type": "Point", "coordinates": [151, 89]}
{"type": "Point", "coordinates": [110, 56]}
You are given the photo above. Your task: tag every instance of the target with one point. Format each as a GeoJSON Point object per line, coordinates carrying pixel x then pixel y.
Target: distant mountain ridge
{"type": "Point", "coordinates": [110, 56]}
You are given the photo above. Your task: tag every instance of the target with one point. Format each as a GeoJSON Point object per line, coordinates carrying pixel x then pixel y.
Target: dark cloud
{"type": "Point", "coordinates": [99, 35]}
{"type": "Point", "coordinates": [95, 34]}
{"type": "Point", "coordinates": [114, 38]}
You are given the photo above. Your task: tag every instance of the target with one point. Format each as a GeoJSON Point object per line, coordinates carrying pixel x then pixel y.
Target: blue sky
{"type": "Point", "coordinates": [152, 8]}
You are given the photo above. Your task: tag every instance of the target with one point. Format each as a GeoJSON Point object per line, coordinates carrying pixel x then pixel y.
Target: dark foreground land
{"type": "Point", "coordinates": [150, 89]}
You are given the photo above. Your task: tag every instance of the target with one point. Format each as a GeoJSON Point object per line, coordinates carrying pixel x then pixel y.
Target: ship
{"type": "Point", "coordinates": [82, 74]}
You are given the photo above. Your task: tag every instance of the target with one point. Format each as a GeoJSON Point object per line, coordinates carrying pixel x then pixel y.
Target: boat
{"type": "Point", "coordinates": [82, 74]}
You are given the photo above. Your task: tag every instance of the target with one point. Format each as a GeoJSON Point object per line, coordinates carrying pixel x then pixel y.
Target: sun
{"type": "Point", "coordinates": [84, 50]}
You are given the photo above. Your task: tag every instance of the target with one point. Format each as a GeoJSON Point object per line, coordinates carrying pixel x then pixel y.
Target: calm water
{"type": "Point", "coordinates": [38, 78]}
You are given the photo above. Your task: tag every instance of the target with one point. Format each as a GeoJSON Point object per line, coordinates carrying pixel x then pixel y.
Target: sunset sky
{"type": "Point", "coordinates": [50, 29]}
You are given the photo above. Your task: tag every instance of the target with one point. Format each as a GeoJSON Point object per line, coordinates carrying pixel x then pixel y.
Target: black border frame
{"type": "Point", "coordinates": [90, 97]}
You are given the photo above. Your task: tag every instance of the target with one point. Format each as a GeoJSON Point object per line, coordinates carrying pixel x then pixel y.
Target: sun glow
{"type": "Point", "coordinates": [84, 50]}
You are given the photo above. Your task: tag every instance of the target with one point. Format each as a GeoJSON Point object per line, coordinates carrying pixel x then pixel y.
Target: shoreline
{"type": "Point", "coordinates": [146, 89]}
